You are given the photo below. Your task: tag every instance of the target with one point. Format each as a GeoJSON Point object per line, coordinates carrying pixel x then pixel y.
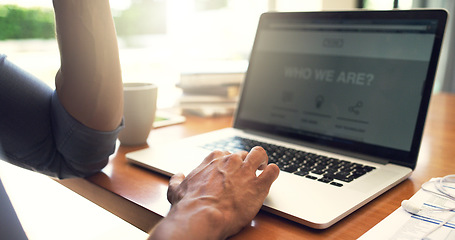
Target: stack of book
{"type": "Point", "coordinates": [211, 91]}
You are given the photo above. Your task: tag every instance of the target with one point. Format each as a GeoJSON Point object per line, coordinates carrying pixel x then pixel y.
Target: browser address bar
{"type": "Point", "coordinates": [350, 26]}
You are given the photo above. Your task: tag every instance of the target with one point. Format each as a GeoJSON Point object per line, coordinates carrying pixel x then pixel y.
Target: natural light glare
{"type": "Point", "coordinates": [120, 4]}
{"type": "Point", "coordinates": [115, 4]}
{"type": "Point", "coordinates": [302, 5]}
{"type": "Point", "coordinates": [379, 5]}
{"type": "Point", "coordinates": [405, 4]}
{"type": "Point", "coordinates": [225, 33]}
{"type": "Point", "coordinates": [222, 35]}
{"type": "Point", "coordinates": [28, 3]}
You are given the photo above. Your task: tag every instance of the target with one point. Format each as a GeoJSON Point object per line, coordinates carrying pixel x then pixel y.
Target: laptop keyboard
{"type": "Point", "coordinates": [320, 168]}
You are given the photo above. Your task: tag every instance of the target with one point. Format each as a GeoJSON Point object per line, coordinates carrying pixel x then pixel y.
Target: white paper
{"type": "Point", "coordinates": [47, 210]}
{"type": "Point", "coordinates": [401, 225]}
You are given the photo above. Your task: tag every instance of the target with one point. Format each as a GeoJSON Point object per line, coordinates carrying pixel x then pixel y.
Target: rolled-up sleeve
{"type": "Point", "coordinates": [37, 133]}
{"type": "Point", "coordinates": [83, 148]}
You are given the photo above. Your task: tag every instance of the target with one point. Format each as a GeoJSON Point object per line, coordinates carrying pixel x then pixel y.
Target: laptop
{"type": "Point", "coordinates": [337, 99]}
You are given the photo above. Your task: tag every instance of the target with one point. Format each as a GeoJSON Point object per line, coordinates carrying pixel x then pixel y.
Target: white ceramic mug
{"type": "Point", "coordinates": [139, 112]}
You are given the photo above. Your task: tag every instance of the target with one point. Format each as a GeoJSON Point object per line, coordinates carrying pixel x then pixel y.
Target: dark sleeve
{"type": "Point", "coordinates": [37, 133]}
{"type": "Point", "coordinates": [10, 227]}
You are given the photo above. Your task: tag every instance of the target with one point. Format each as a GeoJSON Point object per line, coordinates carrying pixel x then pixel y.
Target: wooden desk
{"type": "Point", "coordinates": [139, 196]}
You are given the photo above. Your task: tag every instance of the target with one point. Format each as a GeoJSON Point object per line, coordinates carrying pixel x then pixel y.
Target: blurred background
{"type": "Point", "coordinates": [162, 40]}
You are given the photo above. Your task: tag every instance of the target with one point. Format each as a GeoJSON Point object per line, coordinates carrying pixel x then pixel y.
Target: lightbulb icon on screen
{"type": "Point", "coordinates": [319, 101]}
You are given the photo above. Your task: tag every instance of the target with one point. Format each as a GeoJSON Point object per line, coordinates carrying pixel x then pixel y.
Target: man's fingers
{"type": "Point", "coordinates": [269, 175]}
{"type": "Point", "coordinates": [173, 194]}
{"type": "Point", "coordinates": [242, 154]}
{"type": "Point", "coordinates": [213, 155]}
{"type": "Point", "coordinates": [232, 162]}
{"type": "Point", "coordinates": [256, 159]}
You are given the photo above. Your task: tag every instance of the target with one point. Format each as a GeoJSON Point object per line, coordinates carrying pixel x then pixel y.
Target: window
{"type": "Point", "coordinates": [160, 38]}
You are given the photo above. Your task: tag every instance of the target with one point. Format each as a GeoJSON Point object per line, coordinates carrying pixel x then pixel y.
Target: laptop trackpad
{"type": "Point", "coordinates": [168, 160]}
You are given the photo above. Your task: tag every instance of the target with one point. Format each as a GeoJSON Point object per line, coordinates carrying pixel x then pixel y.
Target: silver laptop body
{"type": "Point", "coordinates": [348, 86]}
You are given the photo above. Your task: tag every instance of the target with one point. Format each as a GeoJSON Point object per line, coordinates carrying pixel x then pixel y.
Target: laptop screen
{"type": "Point", "coordinates": [358, 81]}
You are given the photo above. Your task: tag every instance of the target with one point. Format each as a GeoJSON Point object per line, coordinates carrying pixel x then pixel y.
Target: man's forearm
{"type": "Point", "coordinates": [89, 82]}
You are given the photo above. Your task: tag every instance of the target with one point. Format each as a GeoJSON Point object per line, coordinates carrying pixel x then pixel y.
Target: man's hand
{"type": "Point", "coordinates": [220, 196]}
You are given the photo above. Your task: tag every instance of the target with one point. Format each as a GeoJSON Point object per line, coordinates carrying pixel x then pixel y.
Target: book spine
{"type": "Point", "coordinates": [210, 79]}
